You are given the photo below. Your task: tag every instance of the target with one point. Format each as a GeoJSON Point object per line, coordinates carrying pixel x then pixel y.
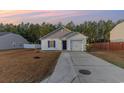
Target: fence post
{"type": "Point", "coordinates": [108, 46]}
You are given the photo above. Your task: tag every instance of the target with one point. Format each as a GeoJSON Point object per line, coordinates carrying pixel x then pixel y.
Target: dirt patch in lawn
{"type": "Point", "coordinates": [26, 65]}
{"type": "Point", "coordinates": [114, 57]}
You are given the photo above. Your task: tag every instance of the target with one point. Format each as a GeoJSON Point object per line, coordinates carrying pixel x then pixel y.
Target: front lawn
{"type": "Point", "coordinates": [26, 65]}
{"type": "Point", "coordinates": [114, 57]}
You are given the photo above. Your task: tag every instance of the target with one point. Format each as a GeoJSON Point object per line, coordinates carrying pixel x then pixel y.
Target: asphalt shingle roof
{"type": "Point", "coordinates": [59, 33]}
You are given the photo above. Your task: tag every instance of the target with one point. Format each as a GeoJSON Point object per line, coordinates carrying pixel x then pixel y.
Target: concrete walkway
{"type": "Point", "coordinates": [64, 71]}
{"type": "Point", "coordinates": [101, 71]}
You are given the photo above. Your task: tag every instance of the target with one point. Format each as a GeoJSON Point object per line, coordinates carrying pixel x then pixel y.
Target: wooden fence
{"type": "Point", "coordinates": [108, 46]}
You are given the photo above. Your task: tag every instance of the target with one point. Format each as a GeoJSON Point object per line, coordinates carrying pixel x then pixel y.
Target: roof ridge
{"type": "Point", "coordinates": [67, 34]}
{"type": "Point", "coordinates": [67, 29]}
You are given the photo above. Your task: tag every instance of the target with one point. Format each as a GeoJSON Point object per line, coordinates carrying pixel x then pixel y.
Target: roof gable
{"type": "Point", "coordinates": [61, 33]}
{"type": "Point", "coordinates": [77, 36]}
{"type": "Point", "coordinates": [58, 33]}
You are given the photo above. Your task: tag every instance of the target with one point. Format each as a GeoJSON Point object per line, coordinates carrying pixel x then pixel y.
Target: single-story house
{"type": "Point", "coordinates": [117, 33]}
{"type": "Point", "coordinates": [10, 40]}
{"type": "Point", "coordinates": [64, 39]}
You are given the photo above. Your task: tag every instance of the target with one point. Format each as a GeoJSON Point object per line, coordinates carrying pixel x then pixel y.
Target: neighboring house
{"type": "Point", "coordinates": [117, 33]}
{"type": "Point", "coordinates": [63, 39]}
{"type": "Point", "coordinates": [10, 40]}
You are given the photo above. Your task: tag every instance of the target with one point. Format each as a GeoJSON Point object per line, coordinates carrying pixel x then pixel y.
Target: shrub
{"type": "Point", "coordinates": [89, 47]}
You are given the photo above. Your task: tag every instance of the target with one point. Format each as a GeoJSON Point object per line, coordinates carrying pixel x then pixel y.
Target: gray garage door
{"type": "Point", "coordinates": [76, 45]}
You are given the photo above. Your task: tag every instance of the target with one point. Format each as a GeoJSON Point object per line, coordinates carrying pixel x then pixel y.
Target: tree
{"type": "Point", "coordinates": [71, 26]}
{"type": "Point", "coordinates": [59, 25]}
{"type": "Point", "coordinates": [96, 31]}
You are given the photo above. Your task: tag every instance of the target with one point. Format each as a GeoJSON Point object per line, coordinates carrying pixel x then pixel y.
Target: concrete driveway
{"type": "Point", "coordinates": [101, 71]}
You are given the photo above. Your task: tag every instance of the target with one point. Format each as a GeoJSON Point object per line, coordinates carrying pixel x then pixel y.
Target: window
{"type": "Point", "coordinates": [51, 44]}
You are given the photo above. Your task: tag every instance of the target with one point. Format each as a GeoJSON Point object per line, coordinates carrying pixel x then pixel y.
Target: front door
{"type": "Point", "coordinates": [64, 44]}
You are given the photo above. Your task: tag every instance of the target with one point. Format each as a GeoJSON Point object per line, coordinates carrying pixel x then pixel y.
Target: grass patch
{"type": "Point", "coordinates": [114, 57]}
{"type": "Point", "coordinates": [21, 66]}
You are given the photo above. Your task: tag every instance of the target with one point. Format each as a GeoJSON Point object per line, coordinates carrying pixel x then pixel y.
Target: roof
{"type": "Point", "coordinates": [61, 32]}
{"type": "Point", "coordinates": [4, 33]}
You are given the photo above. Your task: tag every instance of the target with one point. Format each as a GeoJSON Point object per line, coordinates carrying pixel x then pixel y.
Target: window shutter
{"type": "Point", "coordinates": [48, 44]}
{"type": "Point", "coordinates": [54, 44]}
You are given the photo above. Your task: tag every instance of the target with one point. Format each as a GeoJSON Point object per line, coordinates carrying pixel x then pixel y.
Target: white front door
{"type": "Point", "coordinates": [76, 45]}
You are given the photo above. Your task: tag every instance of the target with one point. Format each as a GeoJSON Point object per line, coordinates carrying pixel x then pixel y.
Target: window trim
{"type": "Point", "coordinates": [51, 44]}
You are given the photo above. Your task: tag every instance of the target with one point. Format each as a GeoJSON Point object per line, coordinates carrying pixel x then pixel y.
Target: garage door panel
{"type": "Point", "coordinates": [76, 45]}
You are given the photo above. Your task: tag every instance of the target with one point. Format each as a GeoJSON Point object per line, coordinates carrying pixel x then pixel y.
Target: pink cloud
{"type": "Point", "coordinates": [39, 16]}
{"type": "Point", "coordinates": [61, 13]}
{"type": "Point", "coordinates": [8, 13]}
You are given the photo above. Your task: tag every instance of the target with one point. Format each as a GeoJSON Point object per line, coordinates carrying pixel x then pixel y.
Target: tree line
{"type": "Point", "coordinates": [96, 31]}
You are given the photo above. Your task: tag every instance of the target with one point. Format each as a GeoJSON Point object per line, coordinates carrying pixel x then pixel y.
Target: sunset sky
{"type": "Point", "coordinates": [39, 16]}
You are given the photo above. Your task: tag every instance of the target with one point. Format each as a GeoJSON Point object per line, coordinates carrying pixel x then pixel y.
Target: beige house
{"type": "Point", "coordinates": [117, 33]}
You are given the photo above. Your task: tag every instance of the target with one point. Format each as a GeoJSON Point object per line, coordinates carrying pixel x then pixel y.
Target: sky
{"type": "Point", "coordinates": [56, 16]}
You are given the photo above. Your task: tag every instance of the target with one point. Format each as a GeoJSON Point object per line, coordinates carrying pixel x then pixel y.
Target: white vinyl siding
{"type": "Point", "coordinates": [58, 44]}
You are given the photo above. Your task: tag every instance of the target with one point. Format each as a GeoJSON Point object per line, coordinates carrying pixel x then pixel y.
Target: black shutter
{"type": "Point", "coordinates": [48, 44]}
{"type": "Point", "coordinates": [54, 44]}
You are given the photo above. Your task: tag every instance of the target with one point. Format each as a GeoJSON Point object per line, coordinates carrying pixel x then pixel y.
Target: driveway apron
{"type": "Point", "coordinates": [100, 71]}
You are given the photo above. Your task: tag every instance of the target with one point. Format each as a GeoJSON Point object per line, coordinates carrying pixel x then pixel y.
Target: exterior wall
{"type": "Point", "coordinates": [44, 44]}
{"type": "Point", "coordinates": [117, 33]}
{"type": "Point", "coordinates": [84, 43]}
{"type": "Point", "coordinates": [12, 41]}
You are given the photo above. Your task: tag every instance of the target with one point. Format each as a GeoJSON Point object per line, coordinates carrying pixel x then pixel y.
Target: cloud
{"type": "Point", "coordinates": [27, 15]}
{"type": "Point", "coordinates": [17, 13]}
{"type": "Point", "coordinates": [55, 16]}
